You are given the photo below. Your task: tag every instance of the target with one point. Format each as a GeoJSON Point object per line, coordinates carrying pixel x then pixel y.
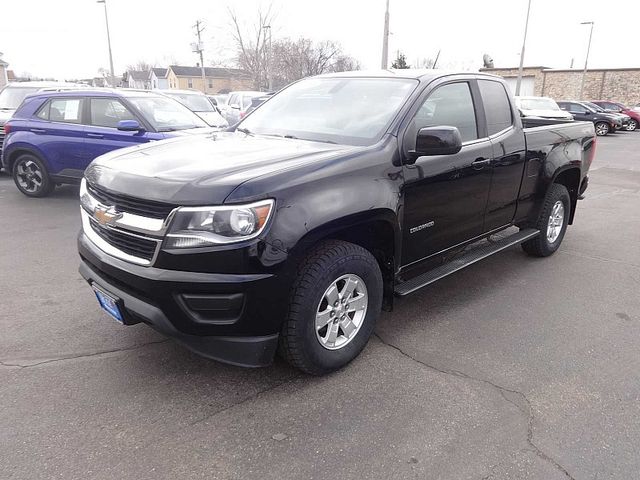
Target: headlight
{"type": "Point", "coordinates": [206, 226]}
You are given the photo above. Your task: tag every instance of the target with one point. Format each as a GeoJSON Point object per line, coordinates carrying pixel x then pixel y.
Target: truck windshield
{"type": "Point", "coordinates": [166, 114]}
{"type": "Point", "coordinates": [538, 104]}
{"type": "Point", "coordinates": [351, 111]}
{"type": "Point", "coordinates": [195, 103]}
{"type": "Point", "coordinates": [11, 97]}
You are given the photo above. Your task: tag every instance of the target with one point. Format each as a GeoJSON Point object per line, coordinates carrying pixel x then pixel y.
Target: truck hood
{"type": "Point", "coordinates": [202, 169]}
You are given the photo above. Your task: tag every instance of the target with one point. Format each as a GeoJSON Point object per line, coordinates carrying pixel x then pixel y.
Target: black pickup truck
{"type": "Point", "coordinates": [291, 230]}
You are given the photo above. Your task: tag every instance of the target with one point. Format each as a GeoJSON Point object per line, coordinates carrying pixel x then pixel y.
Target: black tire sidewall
{"type": "Point", "coordinates": [46, 186]}
{"type": "Point", "coordinates": [328, 360]}
{"type": "Point", "coordinates": [560, 193]}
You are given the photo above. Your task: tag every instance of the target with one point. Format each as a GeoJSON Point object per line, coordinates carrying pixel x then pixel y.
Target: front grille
{"type": "Point", "coordinates": [129, 244]}
{"type": "Point", "coordinates": [124, 203]}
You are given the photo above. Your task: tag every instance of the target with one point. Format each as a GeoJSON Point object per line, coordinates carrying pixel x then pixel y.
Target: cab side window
{"type": "Point", "coordinates": [448, 105]}
{"type": "Point", "coordinates": [497, 107]}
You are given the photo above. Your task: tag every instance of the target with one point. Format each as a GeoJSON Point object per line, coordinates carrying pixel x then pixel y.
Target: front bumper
{"type": "Point", "coordinates": [227, 317]}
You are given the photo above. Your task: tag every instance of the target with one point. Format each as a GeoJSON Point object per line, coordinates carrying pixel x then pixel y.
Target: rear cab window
{"type": "Point", "coordinates": [497, 107]}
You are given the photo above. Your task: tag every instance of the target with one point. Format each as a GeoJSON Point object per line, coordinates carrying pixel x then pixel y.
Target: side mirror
{"type": "Point", "coordinates": [129, 126]}
{"type": "Point", "coordinates": [437, 141]}
{"type": "Point", "coordinates": [235, 106]}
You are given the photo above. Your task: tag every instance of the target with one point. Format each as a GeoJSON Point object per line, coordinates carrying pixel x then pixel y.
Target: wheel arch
{"type": "Point", "coordinates": [569, 176]}
{"type": "Point", "coordinates": [376, 230]}
{"type": "Point", "coordinates": [17, 150]}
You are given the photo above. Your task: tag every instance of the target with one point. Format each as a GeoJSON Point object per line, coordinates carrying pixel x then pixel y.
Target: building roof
{"type": "Point", "coordinates": [159, 72]}
{"type": "Point", "coordinates": [214, 72]}
{"type": "Point", "coordinates": [138, 74]}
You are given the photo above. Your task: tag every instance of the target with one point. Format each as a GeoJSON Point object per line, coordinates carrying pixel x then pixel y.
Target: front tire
{"type": "Point", "coordinates": [31, 177]}
{"type": "Point", "coordinates": [335, 303]}
{"type": "Point", "coordinates": [602, 129]}
{"type": "Point", "coordinates": [552, 223]}
{"type": "Point", "coordinates": [632, 125]}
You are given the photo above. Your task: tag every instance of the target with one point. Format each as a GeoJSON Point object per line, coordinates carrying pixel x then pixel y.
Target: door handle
{"type": "Point", "coordinates": [38, 130]}
{"type": "Point", "coordinates": [481, 162]}
{"type": "Point", "coordinates": [95, 135]}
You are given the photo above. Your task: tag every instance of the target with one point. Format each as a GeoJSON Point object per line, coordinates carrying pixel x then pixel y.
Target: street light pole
{"type": "Point", "coordinates": [385, 39]}
{"type": "Point", "coordinates": [586, 59]}
{"type": "Point", "coordinates": [106, 19]}
{"type": "Point", "coordinates": [524, 41]}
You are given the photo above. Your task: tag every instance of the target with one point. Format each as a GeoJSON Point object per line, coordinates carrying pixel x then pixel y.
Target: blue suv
{"type": "Point", "coordinates": [53, 136]}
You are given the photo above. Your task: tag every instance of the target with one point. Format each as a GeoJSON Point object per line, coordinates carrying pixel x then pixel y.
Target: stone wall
{"type": "Point", "coordinates": [620, 85]}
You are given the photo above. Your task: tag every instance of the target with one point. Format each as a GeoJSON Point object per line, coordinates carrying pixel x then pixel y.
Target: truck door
{"type": "Point", "coordinates": [507, 141]}
{"type": "Point", "coordinates": [445, 195]}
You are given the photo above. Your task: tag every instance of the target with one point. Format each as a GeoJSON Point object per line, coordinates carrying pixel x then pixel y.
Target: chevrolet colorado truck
{"type": "Point", "coordinates": [290, 231]}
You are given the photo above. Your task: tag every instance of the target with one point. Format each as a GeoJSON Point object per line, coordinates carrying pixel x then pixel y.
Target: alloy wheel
{"type": "Point", "coordinates": [556, 220]}
{"type": "Point", "coordinates": [29, 176]}
{"type": "Point", "coordinates": [602, 129]}
{"type": "Point", "coordinates": [632, 125]}
{"type": "Point", "coordinates": [341, 312]}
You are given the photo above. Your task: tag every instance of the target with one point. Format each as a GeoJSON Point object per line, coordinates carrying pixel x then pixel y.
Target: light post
{"type": "Point", "coordinates": [385, 40]}
{"type": "Point", "coordinates": [586, 59]}
{"type": "Point", "coordinates": [106, 19]}
{"type": "Point", "coordinates": [524, 41]}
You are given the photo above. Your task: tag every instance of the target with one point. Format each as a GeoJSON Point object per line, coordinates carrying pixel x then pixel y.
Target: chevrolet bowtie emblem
{"type": "Point", "coordinates": [106, 216]}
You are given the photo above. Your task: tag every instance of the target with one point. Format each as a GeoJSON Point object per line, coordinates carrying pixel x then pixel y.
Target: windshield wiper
{"type": "Point", "coordinates": [246, 131]}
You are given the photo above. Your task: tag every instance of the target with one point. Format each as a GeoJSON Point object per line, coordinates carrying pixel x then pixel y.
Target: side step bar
{"type": "Point", "coordinates": [469, 258]}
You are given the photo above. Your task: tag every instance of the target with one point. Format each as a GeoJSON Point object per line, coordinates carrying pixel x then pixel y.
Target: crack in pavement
{"type": "Point", "coordinates": [4, 363]}
{"type": "Point", "coordinates": [251, 397]}
{"type": "Point", "coordinates": [525, 408]}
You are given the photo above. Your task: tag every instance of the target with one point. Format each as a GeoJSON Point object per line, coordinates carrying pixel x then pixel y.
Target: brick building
{"type": "Point", "coordinates": [216, 79]}
{"type": "Point", "coordinates": [616, 84]}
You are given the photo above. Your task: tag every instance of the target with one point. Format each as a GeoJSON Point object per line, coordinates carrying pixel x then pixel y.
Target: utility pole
{"type": "Point", "coordinates": [524, 41]}
{"type": "Point", "coordinates": [198, 49]}
{"type": "Point", "coordinates": [106, 19]}
{"type": "Point", "coordinates": [269, 57]}
{"type": "Point", "coordinates": [586, 59]}
{"type": "Point", "coordinates": [385, 39]}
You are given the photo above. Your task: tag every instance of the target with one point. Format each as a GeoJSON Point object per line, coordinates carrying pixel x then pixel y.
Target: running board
{"type": "Point", "coordinates": [469, 258]}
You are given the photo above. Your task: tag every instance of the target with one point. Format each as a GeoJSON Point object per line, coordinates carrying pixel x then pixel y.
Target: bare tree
{"type": "Point", "coordinates": [140, 66]}
{"type": "Point", "coordinates": [296, 59]}
{"type": "Point", "coordinates": [251, 45]}
{"type": "Point", "coordinates": [425, 62]}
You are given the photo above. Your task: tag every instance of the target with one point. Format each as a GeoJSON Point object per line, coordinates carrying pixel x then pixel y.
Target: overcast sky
{"type": "Point", "coordinates": [67, 38]}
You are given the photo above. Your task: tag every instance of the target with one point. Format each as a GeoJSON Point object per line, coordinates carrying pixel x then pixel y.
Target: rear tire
{"type": "Point", "coordinates": [335, 302]}
{"type": "Point", "coordinates": [632, 125]}
{"type": "Point", "coordinates": [602, 129]}
{"type": "Point", "coordinates": [31, 176]}
{"type": "Point", "coordinates": [552, 223]}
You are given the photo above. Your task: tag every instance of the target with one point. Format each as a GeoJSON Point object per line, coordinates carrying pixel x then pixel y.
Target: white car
{"type": "Point", "coordinates": [199, 104]}
{"type": "Point", "coordinates": [541, 107]}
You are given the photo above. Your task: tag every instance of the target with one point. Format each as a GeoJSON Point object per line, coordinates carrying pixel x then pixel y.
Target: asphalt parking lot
{"type": "Point", "coordinates": [513, 368]}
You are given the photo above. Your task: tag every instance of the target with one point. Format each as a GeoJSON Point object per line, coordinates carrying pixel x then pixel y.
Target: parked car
{"type": "Point", "coordinates": [198, 103]}
{"type": "Point", "coordinates": [257, 101]}
{"type": "Point", "coordinates": [624, 119]}
{"type": "Point", "coordinates": [341, 192]}
{"type": "Point", "coordinates": [53, 136]}
{"type": "Point", "coordinates": [12, 94]}
{"type": "Point", "coordinates": [604, 123]}
{"type": "Point", "coordinates": [615, 107]}
{"type": "Point", "coordinates": [237, 105]}
{"type": "Point", "coordinates": [543, 107]}
{"type": "Point", "coordinates": [219, 99]}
